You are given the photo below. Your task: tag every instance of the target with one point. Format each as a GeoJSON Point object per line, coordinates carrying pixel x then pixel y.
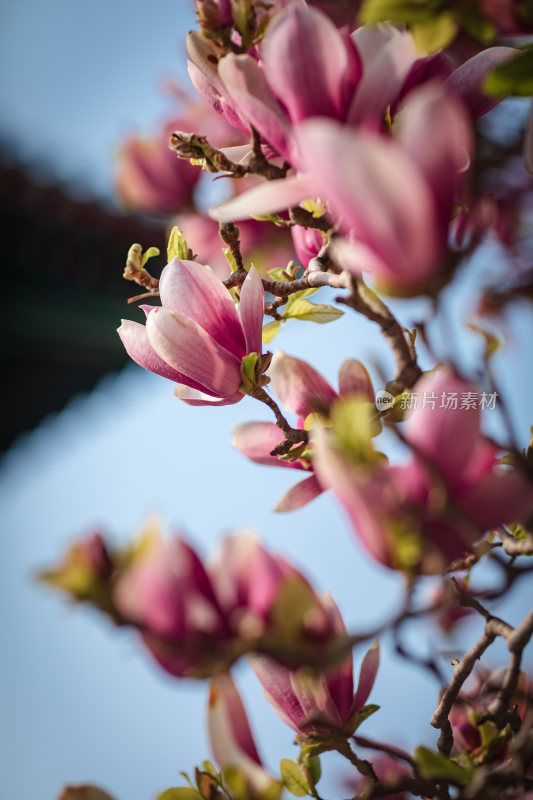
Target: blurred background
{"type": "Point", "coordinates": [91, 442]}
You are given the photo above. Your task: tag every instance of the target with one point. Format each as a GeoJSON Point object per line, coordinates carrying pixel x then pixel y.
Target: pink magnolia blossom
{"type": "Point", "coordinates": [430, 510]}
{"type": "Point", "coordinates": [310, 702]}
{"type": "Point", "coordinates": [198, 338]}
{"type": "Point", "coordinates": [232, 742]}
{"type": "Point", "coordinates": [393, 197]}
{"type": "Point", "coordinates": [195, 618]}
{"type": "Point", "coordinates": [303, 391]}
{"type": "Point", "coordinates": [150, 178]}
{"type": "Point", "coordinates": [307, 243]}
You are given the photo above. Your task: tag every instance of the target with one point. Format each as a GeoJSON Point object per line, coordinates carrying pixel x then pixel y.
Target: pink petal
{"type": "Point", "coordinates": [362, 499]}
{"type": "Point", "coordinates": [229, 730]}
{"type": "Point", "coordinates": [340, 677]}
{"type": "Point", "coordinates": [195, 398]}
{"type": "Point", "coordinates": [367, 676]}
{"type": "Point", "coordinates": [299, 386]}
{"type": "Point", "coordinates": [387, 55]}
{"type": "Point", "coordinates": [245, 83]}
{"type": "Point", "coordinates": [135, 340]}
{"type": "Point", "coordinates": [445, 436]}
{"type": "Point", "coordinates": [256, 440]}
{"type": "Point", "coordinates": [276, 682]}
{"type": "Point", "coordinates": [436, 67]}
{"type": "Point", "coordinates": [434, 128]}
{"type": "Point", "coordinates": [267, 198]}
{"type": "Point", "coordinates": [354, 379]}
{"type": "Point", "coordinates": [306, 62]}
{"type": "Point", "coordinates": [184, 345]}
{"type": "Point", "coordinates": [503, 496]}
{"type": "Point", "coordinates": [251, 310]}
{"type": "Point", "coordinates": [377, 190]}
{"type": "Point", "coordinates": [467, 80]}
{"type": "Point", "coordinates": [300, 494]}
{"type": "Point", "coordinates": [192, 290]}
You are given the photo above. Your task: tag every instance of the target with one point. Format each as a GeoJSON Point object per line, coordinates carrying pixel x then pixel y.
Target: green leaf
{"type": "Point", "coordinates": [177, 246]}
{"type": "Point", "coordinates": [293, 778]}
{"type": "Point", "coordinates": [314, 767]}
{"type": "Point", "coordinates": [514, 77]}
{"type": "Point", "coordinates": [230, 259]}
{"type": "Point", "coordinates": [359, 717]}
{"type": "Point", "coordinates": [435, 766]}
{"type": "Point", "coordinates": [270, 330]}
{"type": "Point", "coordinates": [407, 11]}
{"type": "Point", "coordinates": [248, 366]}
{"type": "Point", "coordinates": [294, 298]}
{"type": "Point", "coordinates": [180, 793]}
{"type": "Point", "coordinates": [311, 312]}
{"type": "Point", "coordinates": [150, 253]}
{"type": "Point", "coordinates": [433, 34]}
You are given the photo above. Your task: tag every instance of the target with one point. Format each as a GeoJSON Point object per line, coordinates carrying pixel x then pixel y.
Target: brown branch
{"type": "Point", "coordinates": [390, 749]}
{"type": "Point", "coordinates": [371, 306]}
{"type": "Point", "coordinates": [417, 786]}
{"type": "Point", "coordinates": [292, 435]}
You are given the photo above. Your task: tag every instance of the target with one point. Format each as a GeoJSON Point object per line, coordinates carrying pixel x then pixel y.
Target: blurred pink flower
{"type": "Point", "coordinates": [430, 510]}
{"type": "Point", "coordinates": [196, 618]}
{"type": "Point", "coordinates": [319, 702]}
{"type": "Point", "coordinates": [150, 178]}
{"type": "Point", "coordinates": [232, 743]}
{"type": "Point", "coordinates": [303, 391]}
{"type": "Point", "coordinates": [198, 338]}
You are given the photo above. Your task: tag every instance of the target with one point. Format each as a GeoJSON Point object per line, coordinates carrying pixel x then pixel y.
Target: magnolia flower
{"type": "Point", "coordinates": [150, 178]}
{"type": "Point", "coordinates": [197, 618]}
{"type": "Point", "coordinates": [310, 702]}
{"type": "Point", "coordinates": [231, 740]}
{"type": "Point", "coordinates": [303, 391]}
{"type": "Point", "coordinates": [198, 338]}
{"type": "Point", "coordinates": [393, 197]}
{"type": "Point", "coordinates": [429, 511]}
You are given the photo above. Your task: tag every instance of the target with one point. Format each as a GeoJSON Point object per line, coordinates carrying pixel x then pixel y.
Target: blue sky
{"type": "Point", "coordinates": [80, 700]}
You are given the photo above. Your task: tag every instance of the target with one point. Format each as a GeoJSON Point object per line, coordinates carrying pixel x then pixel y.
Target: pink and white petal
{"type": "Point", "coordinates": [300, 494]}
{"type": "Point", "coordinates": [434, 128]}
{"type": "Point", "coordinates": [446, 436]}
{"type": "Point", "coordinates": [354, 379]}
{"type": "Point", "coordinates": [195, 398]}
{"type": "Point", "coordinates": [436, 67]}
{"type": "Point", "coordinates": [357, 257]}
{"type": "Point", "coordinates": [378, 191]}
{"type": "Point", "coordinates": [276, 682]}
{"type": "Point", "coordinates": [267, 198]}
{"type": "Point", "coordinates": [313, 694]}
{"type": "Point", "coordinates": [306, 62]}
{"type": "Point", "coordinates": [466, 81]}
{"type": "Point", "coordinates": [229, 730]}
{"type": "Point", "coordinates": [135, 340]}
{"type": "Point", "coordinates": [299, 386]}
{"type": "Point", "coordinates": [367, 676]}
{"type": "Point", "coordinates": [388, 56]}
{"type": "Point", "coordinates": [182, 343]}
{"type": "Point", "coordinates": [256, 440]}
{"type": "Point", "coordinates": [362, 497]}
{"type": "Point", "coordinates": [503, 496]}
{"type": "Point", "coordinates": [192, 290]}
{"type": "Point", "coordinates": [245, 83]}
{"type": "Point", "coordinates": [251, 310]}
{"type": "Point", "coordinates": [340, 677]}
